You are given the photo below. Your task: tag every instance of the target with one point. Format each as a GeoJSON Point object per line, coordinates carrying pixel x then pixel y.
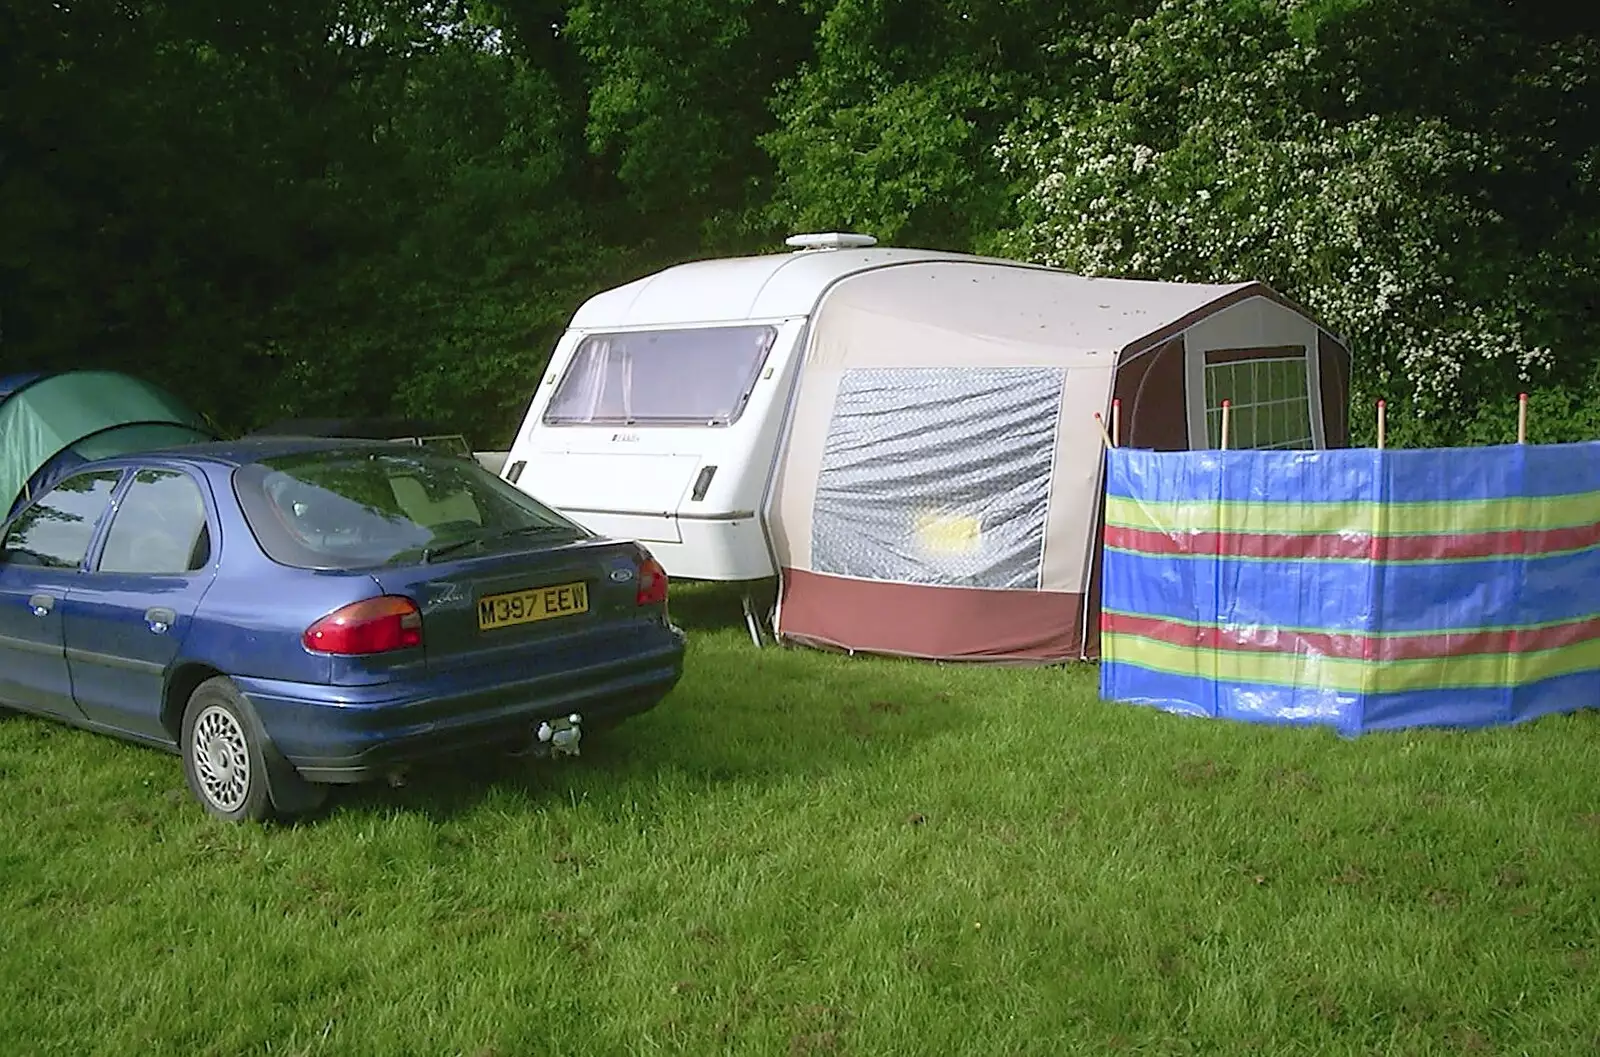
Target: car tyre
{"type": "Point", "coordinates": [223, 758]}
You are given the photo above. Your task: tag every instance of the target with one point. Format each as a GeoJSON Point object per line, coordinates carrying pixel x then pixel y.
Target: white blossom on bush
{"type": "Point", "coordinates": [1367, 223]}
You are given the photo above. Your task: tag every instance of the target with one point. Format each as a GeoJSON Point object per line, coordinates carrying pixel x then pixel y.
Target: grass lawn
{"type": "Point", "coordinates": [802, 854]}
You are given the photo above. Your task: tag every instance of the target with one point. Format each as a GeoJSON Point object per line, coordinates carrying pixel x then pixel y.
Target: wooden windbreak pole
{"type": "Point", "coordinates": [1103, 434]}
{"type": "Point", "coordinates": [1225, 410]}
{"type": "Point", "coordinates": [1383, 422]}
{"type": "Point", "coordinates": [1522, 418]}
{"type": "Point", "coordinates": [1116, 421]}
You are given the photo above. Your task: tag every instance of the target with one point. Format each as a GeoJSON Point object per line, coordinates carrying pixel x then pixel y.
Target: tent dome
{"type": "Point", "coordinates": [51, 422]}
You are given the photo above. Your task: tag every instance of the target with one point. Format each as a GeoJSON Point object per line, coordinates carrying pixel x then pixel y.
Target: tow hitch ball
{"type": "Point", "coordinates": [562, 735]}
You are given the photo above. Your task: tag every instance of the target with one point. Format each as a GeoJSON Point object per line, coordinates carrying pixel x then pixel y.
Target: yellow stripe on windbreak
{"type": "Point", "coordinates": [1352, 676]}
{"type": "Point", "coordinates": [1404, 519]}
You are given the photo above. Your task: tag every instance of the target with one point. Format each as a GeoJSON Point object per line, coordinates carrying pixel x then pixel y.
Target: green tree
{"type": "Point", "coordinates": [678, 102]}
{"type": "Point", "coordinates": [1229, 142]}
{"type": "Point", "coordinates": [890, 128]}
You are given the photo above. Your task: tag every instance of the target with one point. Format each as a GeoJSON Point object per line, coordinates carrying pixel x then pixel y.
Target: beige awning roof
{"type": "Point", "coordinates": [1023, 306]}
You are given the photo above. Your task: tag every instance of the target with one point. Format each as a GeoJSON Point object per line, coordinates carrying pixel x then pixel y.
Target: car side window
{"type": "Point", "coordinates": [55, 531]}
{"type": "Point", "coordinates": [160, 527]}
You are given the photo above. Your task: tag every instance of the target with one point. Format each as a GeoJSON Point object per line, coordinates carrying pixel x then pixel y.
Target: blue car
{"type": "Point", "coordinates": [288, 614]}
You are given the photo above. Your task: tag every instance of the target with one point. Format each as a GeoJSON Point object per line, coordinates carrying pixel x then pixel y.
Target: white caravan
{"type": "Point", "coordinates": [661, 414]}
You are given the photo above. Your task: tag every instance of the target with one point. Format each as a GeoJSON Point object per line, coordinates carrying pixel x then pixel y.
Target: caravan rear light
{"type": "Point", "coordinates": [376, 625]}
{"type": "Point", "coordinates": [652, 583]}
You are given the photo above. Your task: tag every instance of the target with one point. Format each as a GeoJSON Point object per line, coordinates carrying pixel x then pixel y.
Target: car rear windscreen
{"type": "Point", "coordinates": [360, 509]}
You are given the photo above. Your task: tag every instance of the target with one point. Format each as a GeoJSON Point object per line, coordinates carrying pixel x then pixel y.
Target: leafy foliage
{"type": "Point", "coordinates": [1227, 147]}
{"type": "Point", "coordinates": [374, 206]}
{"type": "Point", "coordinates": [890, 127]}
{"type": "Point", "coordinates": [678, 96]}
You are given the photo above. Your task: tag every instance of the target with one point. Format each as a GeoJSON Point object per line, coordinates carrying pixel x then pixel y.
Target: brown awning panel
{"type": "Point", "coordinates": [942, 623]}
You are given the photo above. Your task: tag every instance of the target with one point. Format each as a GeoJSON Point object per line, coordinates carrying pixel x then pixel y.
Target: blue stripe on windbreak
{"type": "Point", "coordinates": [1344, 476]}
{"type": "Point", "coordinates": [1340, 596]}
{"type": "Point", "coordinates": [1427, 475]}
{"type": "Point", "coordinates": [1195, 696]}
{"type": "Point", "coordinates": [1348, 713]}
{"type": "Point", "coordinates": [1482, 707]}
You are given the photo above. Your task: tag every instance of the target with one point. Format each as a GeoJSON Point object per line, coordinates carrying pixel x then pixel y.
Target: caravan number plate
{"type": "Point", "coordinates": [524, 607]}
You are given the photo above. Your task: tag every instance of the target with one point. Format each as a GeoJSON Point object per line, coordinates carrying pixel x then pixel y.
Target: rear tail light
{"type": "Point", "coordinates": [376, 625]}
{"type": "Point", "coordinates": [652, 583]}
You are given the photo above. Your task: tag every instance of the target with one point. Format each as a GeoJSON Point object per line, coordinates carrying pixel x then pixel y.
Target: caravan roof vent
{"type": "Point", "coordinates": [830, 240]}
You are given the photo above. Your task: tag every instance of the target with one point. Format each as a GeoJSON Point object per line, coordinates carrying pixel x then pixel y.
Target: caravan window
{"type": "Point", "coordinates": [701, 376]}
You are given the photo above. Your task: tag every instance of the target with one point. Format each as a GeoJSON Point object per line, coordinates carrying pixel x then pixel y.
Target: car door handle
{"type": "Point", "coordinates": [42, 604]}
{"type": "Point", "coordinates": [159, 619]}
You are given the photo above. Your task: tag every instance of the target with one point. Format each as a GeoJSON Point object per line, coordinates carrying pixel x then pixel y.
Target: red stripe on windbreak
{"type": "Point", "coordinates": [1355, 546]}
{"type": "Point", "coordinates": [1351, 646]}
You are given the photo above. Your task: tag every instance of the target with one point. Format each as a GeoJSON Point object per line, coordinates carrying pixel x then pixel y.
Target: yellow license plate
{"type": "Point", "coordinates": [524, 607]}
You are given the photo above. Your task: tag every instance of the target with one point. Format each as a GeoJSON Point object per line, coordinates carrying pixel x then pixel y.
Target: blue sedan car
{"type": "Point", "coordinates": [287, 614]}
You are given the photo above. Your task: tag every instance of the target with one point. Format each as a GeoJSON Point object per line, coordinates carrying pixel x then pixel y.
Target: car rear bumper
{"type": "Point", "coordinates": [353, 734]}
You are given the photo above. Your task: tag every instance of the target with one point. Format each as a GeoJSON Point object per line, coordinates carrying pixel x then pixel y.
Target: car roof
{"type": "Point", "coordinates": [249, 450]}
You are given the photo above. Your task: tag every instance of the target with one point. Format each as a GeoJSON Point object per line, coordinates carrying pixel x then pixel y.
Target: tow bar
{"type": "Point", "coordinates": [562, 735]}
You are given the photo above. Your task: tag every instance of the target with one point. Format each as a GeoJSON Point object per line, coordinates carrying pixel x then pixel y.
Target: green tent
{"type": "Point", "coordinates": [51, 423]}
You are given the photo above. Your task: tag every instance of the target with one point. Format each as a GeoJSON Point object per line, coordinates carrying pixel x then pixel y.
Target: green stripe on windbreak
{"type": "Point", "coordinates": [1352, 676]}
{"type": "Point", "coordinates": [1397, 519]}
{"type": "Point", "coordinates": [1321, 560]}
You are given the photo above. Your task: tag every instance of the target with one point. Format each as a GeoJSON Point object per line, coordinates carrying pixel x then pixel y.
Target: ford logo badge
{"type": "Point", "coordinates": [620, 575]}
